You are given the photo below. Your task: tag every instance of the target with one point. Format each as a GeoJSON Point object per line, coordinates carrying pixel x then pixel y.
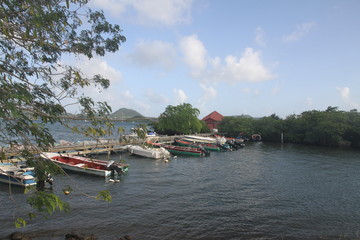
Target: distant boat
{"type": "Point", "coordinates": [256, 137]}
{"type": "Point", "coordinates": [206, 146]}
{"type": "Point", "coordinates": [156, 153]}
{"type": "Point", "coordinates": [18, 176]}
{"type": "Point", "coordinates": [86, 165]}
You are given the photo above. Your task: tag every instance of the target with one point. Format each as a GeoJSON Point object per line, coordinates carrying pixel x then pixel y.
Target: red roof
{"type": "Point", "coordinates": [214, 116]}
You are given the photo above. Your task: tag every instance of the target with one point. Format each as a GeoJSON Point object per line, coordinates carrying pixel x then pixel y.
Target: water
{"type": "Point", "coordinates": [264, 191]}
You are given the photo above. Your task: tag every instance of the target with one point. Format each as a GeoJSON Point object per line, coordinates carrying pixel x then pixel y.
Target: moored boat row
{"type": "Point", "coordinates": [189, 145]}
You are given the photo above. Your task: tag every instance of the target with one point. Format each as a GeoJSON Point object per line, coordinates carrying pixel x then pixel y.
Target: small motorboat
{"type": "Point", "coordinates": [17, 175]}
{"type": "Point", "coordinates": [206, 146]}
{"type": "Point", "coordinates": [180, 150]}
{"type": "Point", "coordinates": [149, 152]}
{"type": "Point", "coordinates": [86, 165]}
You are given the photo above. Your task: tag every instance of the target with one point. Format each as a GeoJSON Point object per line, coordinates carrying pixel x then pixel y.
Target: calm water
{"type": "Point", "coordinates": [264, 191]}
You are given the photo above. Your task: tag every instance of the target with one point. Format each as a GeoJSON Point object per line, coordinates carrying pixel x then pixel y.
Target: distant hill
{"type": "Point", "coordinates": [125, 113]}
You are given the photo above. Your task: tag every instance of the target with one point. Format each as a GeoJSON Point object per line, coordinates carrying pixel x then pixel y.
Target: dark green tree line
{"type": "Point", "coordinates": [331, 127]}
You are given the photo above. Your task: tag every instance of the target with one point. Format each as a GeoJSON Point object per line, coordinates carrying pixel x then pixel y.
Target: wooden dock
{"type": "Point", "coordinates": [103, 146]}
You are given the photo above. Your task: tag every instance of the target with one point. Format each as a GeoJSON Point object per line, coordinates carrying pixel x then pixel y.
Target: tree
{"type": "Point", "coordinates": [233, 126]}
{"type": "Point", "coordinates": [35, 84]}
{"type": "Point", "coordinates": [270, 128]}
{"type": "Point", "coordinates": [181, 119]}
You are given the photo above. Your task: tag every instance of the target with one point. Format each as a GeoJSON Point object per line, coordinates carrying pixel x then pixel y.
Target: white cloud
{"type": "Point", "coordinates": [233, 69]}
{"type": "Point", "coordinates": [247, 68]}
{"type": "Point", "coordinates": [194, 54]}
{"type": "Point", "coordinates": [165, 12]}
{"type": "Point", "coordinates": [180, 95]}
{"type": "Point", "coordinates": [309, 101]}
{"type": "Point", "coordinates": [300, 31]}
{"type": "Point", "coordinates": [259, 37]}
{"type": "Point", "coordinates": [347, 98]}
{"type": "Point", "coordinates": [344, 92]}
{"type": "Point", "coordinates": [98, 66]}
{"type": "Point", "coordinates": [115, 7]}
{"type": "Point", "coordinates": [156, 98]}
{"type": "Point", "coordinates": [154, 53]}
{"type": "Point", "coordinates": [209, 92]}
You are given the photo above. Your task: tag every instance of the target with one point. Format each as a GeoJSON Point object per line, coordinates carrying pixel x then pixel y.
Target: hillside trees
{"type": "Point", "coordinates": [35, 83]}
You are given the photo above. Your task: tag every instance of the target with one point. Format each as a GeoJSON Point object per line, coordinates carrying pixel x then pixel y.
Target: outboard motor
{"type": "Point", "coordinates": [232, 144]}
{"type": "Point", "coordinates": [205, 152]}
{"type": "Point", "coordinates": [49, 179]}
{"type": "Point", "coordinates": [113, 167]}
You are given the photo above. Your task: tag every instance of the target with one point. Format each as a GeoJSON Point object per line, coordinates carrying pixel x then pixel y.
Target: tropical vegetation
{"type": "Point", "coordinates": [331, 127]}
{"type": "Point", "coordinates": [180, 119]}
{"type": "Point", "coordinates": [35, 83]}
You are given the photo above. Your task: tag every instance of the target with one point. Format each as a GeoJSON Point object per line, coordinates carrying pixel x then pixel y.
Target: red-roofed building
{"type": "Point", "coordinates": [212, 120]}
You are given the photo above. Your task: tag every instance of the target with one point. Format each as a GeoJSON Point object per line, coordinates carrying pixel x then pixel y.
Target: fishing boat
{"type": "Point", "coordinates": [148, 152]}
{"type": "Point", "coordinates": [179, 150]}
{"type": "Point", "coordinates": [206, 146]}
{"type": "Point", "coordinates": [15, 175]}
{"type": "Point", "coordinates": [86, 165]}
{"type": "Point", "coordinates": [200, 139]}
{"type": "Point", "coordinates": [220, 141]}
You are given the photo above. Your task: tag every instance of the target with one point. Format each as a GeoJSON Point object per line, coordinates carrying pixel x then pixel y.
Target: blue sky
{"type": "Point", "coordinates": [255, 57]}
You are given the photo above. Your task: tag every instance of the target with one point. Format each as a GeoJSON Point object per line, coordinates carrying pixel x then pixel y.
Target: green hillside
{"type": "Point", "coordinates": [125, 113]}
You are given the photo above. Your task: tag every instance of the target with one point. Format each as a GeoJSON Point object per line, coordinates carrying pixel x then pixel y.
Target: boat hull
{"type": "Point", "coordinates": [15, 176]}
{"type": "Point", "coordinates": [206, 146]}
{"type": "Point", "coordinates": [83, 165]}
{"type": "Point", "coordinates": [155, 153]}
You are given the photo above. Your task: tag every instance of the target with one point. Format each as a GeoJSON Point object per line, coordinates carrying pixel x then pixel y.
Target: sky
{"type": "Point", "coordinates": [252, 57]}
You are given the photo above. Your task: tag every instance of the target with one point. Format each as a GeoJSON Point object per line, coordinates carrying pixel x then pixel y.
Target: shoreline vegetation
{"type": "Point", "coordinates": [330, 128]}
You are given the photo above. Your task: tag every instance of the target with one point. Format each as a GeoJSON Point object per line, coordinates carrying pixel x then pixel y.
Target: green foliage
{"type": "Point", "coordinates": [269, 127]}
{"type": "Point", "coordinates": [35, 83]}
{"type": "Point", "coordinates": [204, 127]}
{"type": "Point", "coordinates": [20, 222]}
{"type": "Point", "coordinates": [326, 128]}
{"type": "Point", "coordinates": [47, 202]}
{"type": "Point", "coordinates": [180, 119]}
{"type": "Point", "coordinates": [233, 126]}
{"type": "Point", "coordinates": [104, 195]}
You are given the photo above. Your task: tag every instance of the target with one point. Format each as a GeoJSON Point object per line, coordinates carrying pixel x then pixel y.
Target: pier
{"type": "Point", "coordinates": [102, 146]}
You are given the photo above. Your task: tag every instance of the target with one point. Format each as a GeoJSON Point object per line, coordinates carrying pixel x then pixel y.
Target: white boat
{"type": "Point", "coordinates": [85, 165]}
{"type": "Point", "coordinates": [14, 175]}
{"type": "Point", "coordinates": [200, 139]}
{"type": "Point", "coordinates": [156, 153]}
